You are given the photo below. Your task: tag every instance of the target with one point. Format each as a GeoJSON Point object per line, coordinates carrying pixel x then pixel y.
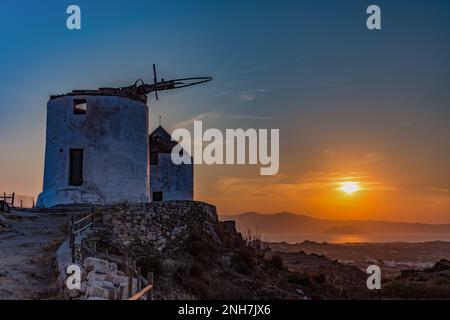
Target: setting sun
{"type": "Point", "coordinates": [349, 187]}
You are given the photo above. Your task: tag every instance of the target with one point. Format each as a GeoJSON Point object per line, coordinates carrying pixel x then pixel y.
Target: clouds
{"type": "Point", "coordinates": [290, 187]}
{"type": "Point", "coordinates": [370, 158]}
{"type": "Point", "coordinates": [438, 189]}
{"type": "Point", "coordinates": [219, 115]}
{"type": "Point", "coordinates": [200, 117]}
{"type": "Point", "coordinates": [251, 95]}
{"type": "Point", "coordinates": [366, 158]}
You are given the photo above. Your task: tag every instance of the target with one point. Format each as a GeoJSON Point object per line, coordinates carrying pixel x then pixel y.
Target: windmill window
{"type": "Point", "coordinates": [79, 106]}
{"type": "Point", "coordinates": [76, 167]}
{"type": "Point", "coordinates": [157, 196]}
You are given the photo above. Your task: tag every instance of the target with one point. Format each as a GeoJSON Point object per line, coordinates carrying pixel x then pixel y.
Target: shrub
{"type": "Point", "coordinates": [320, 278]}
{"type": "Point", "coordinates": [277, 261]}
{"type": "Point", "coordinates": [299, 279]}
{"type": "Point", "coordinates": [199, 289]}
{"type": "Point", "coordinates": [202, 249]}
{"type": "Point", "coordinates": [243, 261]}
{"type": "Point", "coordinates": [150, 264]}
{"type": "Point", "coordinates": [197, 270]}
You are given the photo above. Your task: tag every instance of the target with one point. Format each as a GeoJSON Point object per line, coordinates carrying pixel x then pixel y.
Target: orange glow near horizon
{"type": "Point", "coordinates": [370, 194]}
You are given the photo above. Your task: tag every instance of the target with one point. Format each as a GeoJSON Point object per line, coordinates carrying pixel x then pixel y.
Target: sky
{"type": "Point", "coordinates": [351, 104]}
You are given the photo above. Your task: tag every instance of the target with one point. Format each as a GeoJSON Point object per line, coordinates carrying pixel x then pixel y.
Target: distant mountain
{"type": "Point", "coordinates": [290, 223]}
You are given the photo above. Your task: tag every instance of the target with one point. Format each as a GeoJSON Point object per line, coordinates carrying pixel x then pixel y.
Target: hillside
{"type": "Point", "coordinates": [290, 223]}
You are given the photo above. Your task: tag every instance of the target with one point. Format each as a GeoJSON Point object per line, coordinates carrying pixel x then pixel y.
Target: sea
{"type": "Point", "coordinates": [356, 238]}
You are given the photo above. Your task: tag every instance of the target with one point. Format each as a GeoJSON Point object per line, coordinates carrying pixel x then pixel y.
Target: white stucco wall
{"type": "Point", "coordinates": [114, 137]}
{"type": "Point", "coordinates": [176, 182]}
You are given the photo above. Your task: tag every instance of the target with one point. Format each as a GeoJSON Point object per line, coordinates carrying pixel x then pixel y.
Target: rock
{"type": "Point", "coordinates": [102, 289]}
{"type": "Point", "coordinates": [300, 291]}
{"type": "Point", "coordinates": [73, 294]}
{"type": "Point", "coordinates": [4, 207]}
{"type": "Point", "coordinates": [110, 276]}
{"type": "Point", "coordinates": [4, 273]}
{"type": "Point", "coordinates": [176, 231]}
{"type": "Point", "coordinates": [97, 265]}
{"type": "Point", "coordinates": [105, 284]}
{"type": "Point", "coordinates": [94, 277]}
{"type": "Point", "coordinates": [96, 298]}
{"type": "Point", "coordinates": [229, 227]}
{"type": "Point", "coordinates": [124, 288]}
{"type": "Point", "coordinates": [118, 280]}
{"type": "Point", "coordinates": [112, 267]}
{"type": "Point", "coordinates": [84, 287]}
{"type": "Point", "coordinates": [4, 222]}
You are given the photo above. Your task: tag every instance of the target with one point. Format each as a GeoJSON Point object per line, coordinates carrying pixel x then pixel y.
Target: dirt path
{"type": "Point", "coordinates": [27, 255]}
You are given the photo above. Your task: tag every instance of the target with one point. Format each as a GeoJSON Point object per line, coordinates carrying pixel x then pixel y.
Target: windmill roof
{"type": "Point", "coordinates": [161, 141]}
{"type": "Point", "coordinates": [104, 92]}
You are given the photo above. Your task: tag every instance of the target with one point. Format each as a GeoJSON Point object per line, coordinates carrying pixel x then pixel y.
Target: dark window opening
{"type": "Point", "coordinates": [79, 106]}
{"type": "Point", "coordinates": [157, 196]}
{"type": "Point", "coordinates": [76, 167]}
{"type": "Point", "coordinates": [154, 158]}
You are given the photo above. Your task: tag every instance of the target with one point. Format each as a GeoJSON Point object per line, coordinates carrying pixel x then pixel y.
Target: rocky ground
{"type": "Point", "coordinates": [337, 271]}
{"type": "Point", "coordinates": [391, 257]}
{"type": "Point", "coordinates": [193, 255]}
{"type": "Point", "coordinates": [28, 243]}
{"type": "Point", "coordinates": [323, 278]}
{"type": "Point", "coordinates": [428, 283]}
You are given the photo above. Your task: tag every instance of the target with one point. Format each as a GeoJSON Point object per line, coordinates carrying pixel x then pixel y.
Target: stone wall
{"type": "Point", "coordinates": [157, 229]}
{"type": "Point", "coordinates": [160, 228]}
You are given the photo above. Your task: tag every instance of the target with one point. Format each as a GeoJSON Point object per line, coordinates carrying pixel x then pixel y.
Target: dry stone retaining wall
{"type": "Point", "coordinates": [157, 229]}
{"type": "Point", "coordinates": [160, 228]}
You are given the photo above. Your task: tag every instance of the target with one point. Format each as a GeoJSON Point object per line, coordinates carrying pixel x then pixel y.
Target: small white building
{"type": "Point", "coordinates": [168, 181]}
{"type": "Point", "coordinates": [96, 149]}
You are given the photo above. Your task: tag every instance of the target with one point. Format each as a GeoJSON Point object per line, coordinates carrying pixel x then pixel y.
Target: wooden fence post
{"type": "Point", "coordinates": [130, 279]}
{"type": "Point", "coordinates": [138, 277]}
{"type": "Point", "coordinates": [83, 250]}
{"type": "Point", "coordinates": [125, 261]}
{"type": "Point", "coordinates": [120, 293]}
{"type": "Point", "coordinates": [72, 238]}
{"type": "Point", "coordinates": [93, 218]}
{"type": "Point", "coordinates": [133, 266]}
{"type": "Point", "coordinates": [150, 281]}
{"type": "Point", "coordinates": [12, 201]}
